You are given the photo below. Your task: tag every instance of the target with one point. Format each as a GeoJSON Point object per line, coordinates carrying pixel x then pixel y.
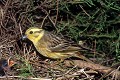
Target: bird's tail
{"type": "Point", "coordinates": [78, 55]}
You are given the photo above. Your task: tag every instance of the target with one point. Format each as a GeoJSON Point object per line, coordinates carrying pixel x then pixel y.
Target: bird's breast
{"type": "Point", "coordinates": [43, 50]}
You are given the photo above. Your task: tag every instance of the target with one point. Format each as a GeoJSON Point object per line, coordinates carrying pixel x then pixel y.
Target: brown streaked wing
{"type": "Point", "coordinates": [58, 44]}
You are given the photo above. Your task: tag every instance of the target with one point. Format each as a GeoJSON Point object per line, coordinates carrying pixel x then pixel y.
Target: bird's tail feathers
{"type": "Point", "coordinates": [78, 55]}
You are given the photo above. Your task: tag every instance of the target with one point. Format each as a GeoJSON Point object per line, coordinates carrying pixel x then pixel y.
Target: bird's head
{"type": "Point", "coordinates": [34, 34]}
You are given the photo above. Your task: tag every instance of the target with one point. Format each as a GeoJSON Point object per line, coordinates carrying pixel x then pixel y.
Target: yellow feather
{"type": "Point", "coordinates": [48, 44]}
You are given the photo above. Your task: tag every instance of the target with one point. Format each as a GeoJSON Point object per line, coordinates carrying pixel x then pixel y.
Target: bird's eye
{"type": "Point", "coordinates": [31, 32]}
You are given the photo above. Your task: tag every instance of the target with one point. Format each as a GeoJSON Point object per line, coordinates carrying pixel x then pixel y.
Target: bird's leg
{"type": "Point", "coordinates": [58, 61]}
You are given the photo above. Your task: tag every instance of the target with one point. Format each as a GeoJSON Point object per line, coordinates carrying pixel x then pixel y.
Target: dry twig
{"type": "Point", "coordinates": [96, 67]}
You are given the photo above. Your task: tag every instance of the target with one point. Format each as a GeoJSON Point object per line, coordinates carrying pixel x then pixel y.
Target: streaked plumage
{"type": "Point", "coordinates": [52, 46]}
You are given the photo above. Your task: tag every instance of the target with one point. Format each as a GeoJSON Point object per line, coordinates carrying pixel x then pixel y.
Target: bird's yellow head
{"type": "Point", "coordinates": [34, 34]}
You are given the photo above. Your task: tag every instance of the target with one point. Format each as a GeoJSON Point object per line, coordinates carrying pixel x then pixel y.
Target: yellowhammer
{"type": "Point", "coordinates": [52, 46]}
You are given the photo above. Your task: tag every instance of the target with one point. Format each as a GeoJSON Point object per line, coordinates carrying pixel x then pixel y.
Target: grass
{"type": "Point", "coordinates": [95, 22]}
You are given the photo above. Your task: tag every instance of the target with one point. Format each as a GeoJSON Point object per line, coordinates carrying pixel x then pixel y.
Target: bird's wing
{"type": "Point", "coordinates": [58, 44]}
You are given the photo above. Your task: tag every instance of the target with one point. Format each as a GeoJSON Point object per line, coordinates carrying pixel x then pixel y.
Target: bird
{"type": "Point", "coordinates": [52, 46]}
{"type": "Point", "coordinates": [5, 65]}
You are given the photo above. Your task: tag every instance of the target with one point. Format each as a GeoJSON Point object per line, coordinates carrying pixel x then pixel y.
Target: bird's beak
{"type": "Point", "coordinates": [24, 37]}
{"type": "Point", "coordinates": [11, 62]}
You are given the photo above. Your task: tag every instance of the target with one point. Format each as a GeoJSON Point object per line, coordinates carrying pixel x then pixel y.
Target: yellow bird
{"type": "Point", "coordinates": [52, 46]}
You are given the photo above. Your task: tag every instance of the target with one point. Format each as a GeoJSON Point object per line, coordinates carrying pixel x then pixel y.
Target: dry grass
{"type": "Point", "coordinates": [17, 15]}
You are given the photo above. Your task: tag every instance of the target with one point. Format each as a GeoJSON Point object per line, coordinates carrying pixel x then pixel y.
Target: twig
{"type": "Point", "coordinates": [71, 69]}
{"type": "Point", "coordinates": [51, 20]}
{"type": "Point", "coordinates": [47, 16]}
{"type": "Point", "coordinates": [20, 30]}
{"type": "Point", "coordinates": [115, 75]}
{"type": "Point", "coordinates": [57, 12]}
{"type": "Point", "coordinates": [84, 11]}
{"type": "Point", "coordinates": [96, 67]}
{"type": "Point", "coordinates": [94, 48]}
{"type": "Point", "coordinates": [3, 77]}
{"type": "Point", "coordinates": [76, 74]}
{"type": "Point", "coordinates": [44, 20]}
{"type": "Point", "coordinates": [4, 13]}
